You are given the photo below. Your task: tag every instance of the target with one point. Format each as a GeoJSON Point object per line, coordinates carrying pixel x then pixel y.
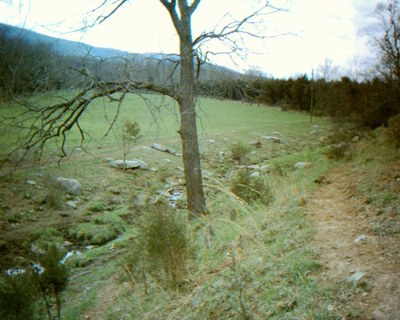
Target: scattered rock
{"type": "Point", "coordinates": [70, 186]}
{"type": "Point", "coordinates": [129, 164]}
{"type": "Point", "coordinates": [356, 139]}
{"type": "Point", "coordinates": [260, 168]}
{"type": "Point", "coordinates": [272, 139]}
{"type": "Point", "coordinates": [300, 165]}
{"type": "Point", "coordinates": [355, 277]}
{"type": "Point", "coordinates": [71, 204]}
{"type": "Point", "coordinates": [360, 238]}
{"type": "Point", "coordinates": [159, 147]}
{"type": "Point", "coordinates": [31, 182]}
{"type": "Point", "coordinates": [210, 141]}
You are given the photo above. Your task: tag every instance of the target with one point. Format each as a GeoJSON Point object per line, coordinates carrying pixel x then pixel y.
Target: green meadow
{"type": "Point", "coordinates": [249, 258]}
{"type": "Point", "coordinates": [158, 118]}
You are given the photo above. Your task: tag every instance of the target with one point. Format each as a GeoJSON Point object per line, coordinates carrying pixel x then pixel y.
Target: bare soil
{"type": "Point", "coordinates": [351, 252]}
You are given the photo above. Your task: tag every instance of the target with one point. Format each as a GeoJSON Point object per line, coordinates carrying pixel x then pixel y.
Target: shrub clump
{"type": "Point", "coordinates": [18, 295]}
{"type": "Point", "coordinates": [339, 144]}
{"type": "Point", "coordinates": [250, 188]}
{"type": "Point", "coordinates": [52, 278]}
{"type": "Point", "coordinates": [239, 152]}
{"type": "Point", "coordinates": [394, 129]}
{"type": "Point", "coordinates": [55, 196]}
{"type": "Point", "coordinates": [161, 249]}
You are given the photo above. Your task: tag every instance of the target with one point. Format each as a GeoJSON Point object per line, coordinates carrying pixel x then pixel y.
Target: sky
{"type": "Point", "coordinates": [304, 36]}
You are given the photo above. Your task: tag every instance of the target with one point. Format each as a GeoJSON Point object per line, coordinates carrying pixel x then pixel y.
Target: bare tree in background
{"type": "Point", "coordinates": [385, 36]}
{"type": "Point", "coordinates": [56, 120]}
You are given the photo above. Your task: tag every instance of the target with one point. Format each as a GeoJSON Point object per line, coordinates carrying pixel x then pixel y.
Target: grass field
{"type": "Point", "coordinates": [159, 120]}
{"type": "Point", "coordinates": [248, 259]}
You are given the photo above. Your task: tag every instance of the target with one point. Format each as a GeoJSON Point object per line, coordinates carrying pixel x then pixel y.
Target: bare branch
{"type": "Point", "coordinates": [102, 16]}
{"type": "Point", "coordinates": [171, 8]}
{"type": "Point", "coordinates": [236, 27]}
{"type": "Point", "coordinates": [194, 6]}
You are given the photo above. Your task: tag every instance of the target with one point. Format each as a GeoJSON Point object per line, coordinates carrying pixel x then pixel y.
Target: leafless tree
{"type": "Point", "coordinates": [385, 36]}
{"type": "Point", "coordinates": [56, 120]}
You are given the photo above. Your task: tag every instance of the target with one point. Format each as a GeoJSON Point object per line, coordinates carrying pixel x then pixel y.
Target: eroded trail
{"type": "Point", "coordinates": [351, 251]}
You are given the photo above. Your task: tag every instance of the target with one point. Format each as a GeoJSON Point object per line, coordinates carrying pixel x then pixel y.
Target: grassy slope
{"type": "Point", "coordinates": [256, 264]}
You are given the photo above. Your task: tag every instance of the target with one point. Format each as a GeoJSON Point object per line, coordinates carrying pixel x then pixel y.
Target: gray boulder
{"type": "Point", "coordinates": [159, 147]}
{"type": "Point", "coordinates": [129, 164]}
{"type": "Point", "coordinates": [70, 186]}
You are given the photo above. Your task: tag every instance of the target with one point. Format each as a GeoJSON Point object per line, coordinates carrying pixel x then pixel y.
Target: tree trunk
{"type": "Point", "coordinates": [188, 131]}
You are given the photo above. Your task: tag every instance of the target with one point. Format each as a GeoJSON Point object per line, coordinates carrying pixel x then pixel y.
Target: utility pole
{"type": "Point", "coordinates": [312, 96]}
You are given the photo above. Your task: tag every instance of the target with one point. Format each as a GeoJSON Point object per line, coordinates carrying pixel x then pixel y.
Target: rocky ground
{"type": "Point", "coordinates": [351, 251]}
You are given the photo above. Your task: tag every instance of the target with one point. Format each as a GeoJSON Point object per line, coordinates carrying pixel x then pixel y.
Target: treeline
{"type": "Point", "coordinates": [369, 103]}
{"type": "Point", "coordinates": [28, 67]}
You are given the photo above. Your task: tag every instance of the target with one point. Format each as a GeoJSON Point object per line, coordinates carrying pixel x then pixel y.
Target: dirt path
{"type": "Point", "coordinates": [351, 251]}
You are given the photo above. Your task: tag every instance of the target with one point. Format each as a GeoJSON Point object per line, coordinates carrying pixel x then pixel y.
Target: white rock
{"type": "Point", "coordinates": [272, 139]}
{"type": "Point", "coordinates": [355, 277]}
{"type": "Point", "coordinates": [360, 238]}
{"type": "Point", "coordinates": [71, 204]}
{"type": "Point", "coordinates": [31, 182]}
{"type": "Point", "coordinates": [301, 164]}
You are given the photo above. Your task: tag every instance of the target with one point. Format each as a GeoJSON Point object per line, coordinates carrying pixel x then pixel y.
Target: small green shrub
{"type": "Point", "coordinates": [250, 188]}
{"type": "Point", "coordinates": [239, 152]}
{"type": "Point", "coordinates": [52, 279]}
{"type": "Point", "coordinates": [97, 206]}
{"type": "Point", "coordinates": [41, 238]}
{"type": "Point", "coordinates": [161, 249]}
{"type": "Point", "coordinates": [54, 196]}
{"type": "Point", "coordinates": [394, 129]}
{"type": "Point", "coordinates": [18, 295]}
{"type": "Point", "coordinates": [130, 134]}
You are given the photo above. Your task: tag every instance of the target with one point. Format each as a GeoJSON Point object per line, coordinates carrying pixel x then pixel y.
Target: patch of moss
{"type": "Point", "coordinates": [99, 230]}
{"type": "Point", "coordinates": [97, 206]}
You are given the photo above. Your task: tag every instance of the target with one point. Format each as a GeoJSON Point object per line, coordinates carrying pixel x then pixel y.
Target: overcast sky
{"type": "Point", "coordinates": [316, 30]}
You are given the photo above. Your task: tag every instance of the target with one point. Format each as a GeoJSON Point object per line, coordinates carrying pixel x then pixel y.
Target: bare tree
{"type": "Point", "coordinates": [56, 120]}
{"type": "Point", "coordinates": [385, 36]}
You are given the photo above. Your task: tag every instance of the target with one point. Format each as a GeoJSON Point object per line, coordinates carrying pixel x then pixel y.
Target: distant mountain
{"type": "Point", "coordinates": [79, 49]}
{"type": "Point", "coordinates": [61, 46]}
